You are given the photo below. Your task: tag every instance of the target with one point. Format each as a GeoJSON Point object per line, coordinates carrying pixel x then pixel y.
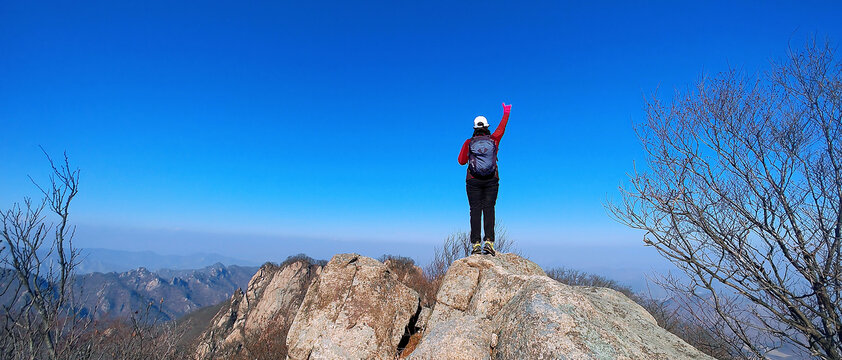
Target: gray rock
{"type": "Point", "coordinates": [462, 338]}
{"type": "Point", "coordinates": [507, 306]}
{"type": "Point", "coordinates": [423, 318]}
{"type": "Point", "coordinates": [357, 309]}
{"type": "Point", "coordinates": [550, 320]}
{"type": "Point", "coordinates": [269, 303]}
{"type": "Point", "coordinates": [481, 285]}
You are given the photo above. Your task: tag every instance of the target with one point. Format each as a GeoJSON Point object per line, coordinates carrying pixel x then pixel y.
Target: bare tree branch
{"type": "Point", "coordinates": [742, 193]}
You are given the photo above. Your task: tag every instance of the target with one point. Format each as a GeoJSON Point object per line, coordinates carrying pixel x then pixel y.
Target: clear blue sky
{"type": "Point", "coordinates": [277, 122]}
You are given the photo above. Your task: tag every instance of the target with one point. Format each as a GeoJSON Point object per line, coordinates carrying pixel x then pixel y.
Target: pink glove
{"type": "Point", "coordinates": [507, 108]}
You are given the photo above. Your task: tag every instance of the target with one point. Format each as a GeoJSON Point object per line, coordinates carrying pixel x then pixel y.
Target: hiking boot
{"type": "Point", "coordinates": [476, 249]}
{"type": "Point", "coordinates": [488, 249]}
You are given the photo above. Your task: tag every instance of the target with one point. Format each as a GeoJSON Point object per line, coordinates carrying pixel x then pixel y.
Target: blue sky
{"type": "Point", "coordinates": [268, 125]}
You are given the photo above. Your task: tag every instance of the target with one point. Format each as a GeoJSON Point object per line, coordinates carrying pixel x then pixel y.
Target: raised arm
{"type": "Point", "coordinates": [498, 133]}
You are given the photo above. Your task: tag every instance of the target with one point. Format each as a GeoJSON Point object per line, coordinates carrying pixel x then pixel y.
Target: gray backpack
{"type": "Point", "coordinates": [482, 161]}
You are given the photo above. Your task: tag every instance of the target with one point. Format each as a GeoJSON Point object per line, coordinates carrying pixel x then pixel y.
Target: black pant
{"type": "Point", "coordinates": [482, 196]}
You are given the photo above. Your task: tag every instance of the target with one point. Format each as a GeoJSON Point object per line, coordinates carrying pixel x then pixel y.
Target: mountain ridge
{"type": "Point", "coordinates": [168, 294]}
{"type": "Point", "coordinates": [102, 260]}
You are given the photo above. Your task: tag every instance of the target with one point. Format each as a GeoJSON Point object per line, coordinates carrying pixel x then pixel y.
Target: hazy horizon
{"type": "Point", "coordinates": [628, 263]}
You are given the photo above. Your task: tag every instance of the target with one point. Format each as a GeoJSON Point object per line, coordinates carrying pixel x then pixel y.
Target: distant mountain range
{"type": "Point", "coordinates": [107, 260]}
{"type": "Point", "coordinates": [168, 294]}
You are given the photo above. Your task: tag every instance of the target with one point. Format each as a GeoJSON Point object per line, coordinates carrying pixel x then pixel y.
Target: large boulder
{"type": "Point", "coordinates": [356, 309]}
{"type": "Point", "coordinates": [505, 307]}
{"type": "Point", "coordinates": [266, 308]}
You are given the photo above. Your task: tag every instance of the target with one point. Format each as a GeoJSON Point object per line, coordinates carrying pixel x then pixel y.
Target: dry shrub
{"type": "Point", "coordinates": [139, 337]}
{"type": "Point", "coordinates": [581, 278]}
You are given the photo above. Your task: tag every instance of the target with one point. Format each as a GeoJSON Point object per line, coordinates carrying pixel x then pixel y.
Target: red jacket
{"type": "Point", "coordinates": [496, 136]}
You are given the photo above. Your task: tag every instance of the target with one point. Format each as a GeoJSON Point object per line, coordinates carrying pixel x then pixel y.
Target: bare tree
{"type": "Point", "coordinates": [142, 336]}
{"type": "Point", "coordinates": [38, 259]}
{"type": "Point", "coordinates": [742, 193]}
{"type": "Point", "coordinates": [39, 315]}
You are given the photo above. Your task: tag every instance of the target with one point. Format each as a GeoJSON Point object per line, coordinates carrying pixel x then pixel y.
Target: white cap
{"type": "Point", "coordinates": [480, 122]}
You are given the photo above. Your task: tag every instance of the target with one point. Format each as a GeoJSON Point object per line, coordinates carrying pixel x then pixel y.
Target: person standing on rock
{"type": "Point", "coordinates": [482, 181]}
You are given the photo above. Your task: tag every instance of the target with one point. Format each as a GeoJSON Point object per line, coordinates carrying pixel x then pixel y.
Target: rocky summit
{"type": "Point", "coordinates": [502, 307]}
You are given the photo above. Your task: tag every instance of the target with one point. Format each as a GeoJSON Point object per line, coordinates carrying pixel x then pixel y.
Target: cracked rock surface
{"type": "Point", "coordinates": [505, 307]}
{"type": "Point", "coordinates": [271, 300]}
{"type": "Point", "coordinates": [356, 309]}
